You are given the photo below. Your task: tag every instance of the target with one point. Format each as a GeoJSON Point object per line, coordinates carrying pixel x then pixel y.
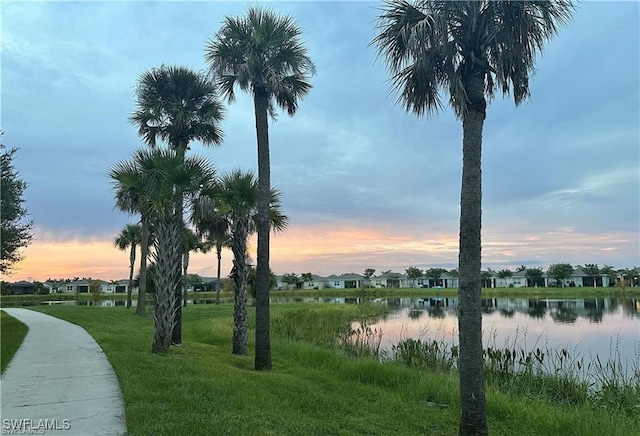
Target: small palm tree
{"type": "Point", "coordinates": [467, 49]}
{"type": "Point", "coordinates": [237, 195]}
{"type": "Point", "coordinates": [129, 239]}
{"type": "Point", "coordinates": [262, 53]}
{"type": "Point", "coordinates": [165, 176]}
{"type": "Point", "coordinates": [211, 221]}
{"type": "Point", "coordinates": [190, 242]}
{"type": "Point", "coordinates": [178, 106]}
{"type": "Point", "coordinates": [128, 184]}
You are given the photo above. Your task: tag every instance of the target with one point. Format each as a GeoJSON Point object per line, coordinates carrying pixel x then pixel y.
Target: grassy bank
{"type": "Point", "coordinates": [12, 332]}
{"type": "Point", "coordinates": [200, 388]}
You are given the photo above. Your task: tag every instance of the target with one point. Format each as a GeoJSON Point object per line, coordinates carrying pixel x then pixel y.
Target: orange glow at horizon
{"type": "Point", "coordinates": [326, 249]}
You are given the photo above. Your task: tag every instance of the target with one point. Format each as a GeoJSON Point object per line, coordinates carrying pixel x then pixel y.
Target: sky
{"type": "Point", "coordinates": [365, 184]}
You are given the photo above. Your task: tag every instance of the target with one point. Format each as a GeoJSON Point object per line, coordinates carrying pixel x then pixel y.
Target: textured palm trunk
{"type": "Point", "coordinates": [132, 264]}
{"type": "Point", "coordinates": [473, 419]}
{"type": "Point", "coordinates": [219, 253]}
{"type": "Point", "coordinates": [167, 258]}
{"type": "Point", "coordinates": [240, 319]}
{"type": "Point", "coordinates": [185, 266]}
{"type": "Point", "coordinates": [263, 323]}
{"type": "Point", "coordinates": [144, 255]}
{"type": "Point", "coordinates": [177, 328]}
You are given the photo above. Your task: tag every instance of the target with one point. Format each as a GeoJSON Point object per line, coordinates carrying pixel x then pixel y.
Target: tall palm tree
{"type": "Point", "coordinates": [262, 53]}
{"type": "Point", "coordinates": [166, 178]}
{"type": "Point", "coordinates": [468, 50]}
{"type": "Point", "coordinates": [237, 195]}
{"type": "Point", "coordinates": [178, 106]}
{"type": "Point", "coordinates": [128, 239]}
{"type": "Point", "coordinates": [211, 221]}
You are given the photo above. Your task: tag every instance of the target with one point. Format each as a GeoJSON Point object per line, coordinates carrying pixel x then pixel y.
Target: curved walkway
{"type": "Point", "coordinates": [59, 380]}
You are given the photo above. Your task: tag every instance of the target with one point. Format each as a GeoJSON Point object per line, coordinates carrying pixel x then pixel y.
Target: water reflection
{"type": "Point", "coordinates": [605, 327]}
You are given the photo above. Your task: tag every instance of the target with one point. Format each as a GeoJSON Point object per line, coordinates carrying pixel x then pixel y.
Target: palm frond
{"type": "Point", "coordinates": [264, 50]}
{"type": "Point", "coordinates": [177, 105]}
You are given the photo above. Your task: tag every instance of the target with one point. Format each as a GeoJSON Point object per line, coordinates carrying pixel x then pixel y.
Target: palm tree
{"type": "Point", "coordinates": [468, 50]}
{"type": "Point", "coordinates": [237, 195]}
{"type": "Point", "coordinates": [212, 223]}
{"type": "Point", "coordinates": [128, 191]}
{"type": "Point", "coordinates": [190, 242]}
{"type": "Point", "coordinates": [177, 106]}
{"type": "Point", "coordinates": [166, 178]}
{"type": "Point", "coordinates": [263, 54]}
{"type": "Point", "coordinates": [128, 239]}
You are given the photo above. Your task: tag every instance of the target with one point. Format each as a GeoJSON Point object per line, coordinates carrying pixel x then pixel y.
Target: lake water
{"type": "Point", "coordinates": [605, 327]}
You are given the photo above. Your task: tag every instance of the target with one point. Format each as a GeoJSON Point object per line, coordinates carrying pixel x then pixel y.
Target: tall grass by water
{"type": "Point", "coordinates": [559, 375]}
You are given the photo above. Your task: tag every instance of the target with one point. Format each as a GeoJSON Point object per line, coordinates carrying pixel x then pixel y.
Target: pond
{"type": "Point", "coordinates": [608, 328]}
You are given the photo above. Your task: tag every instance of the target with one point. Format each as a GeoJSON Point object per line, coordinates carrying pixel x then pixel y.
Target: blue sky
{"type": "Point", "coordinates": [365, 184]}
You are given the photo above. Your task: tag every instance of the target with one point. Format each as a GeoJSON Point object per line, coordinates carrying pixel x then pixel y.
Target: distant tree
{"type": "Point", "coordinates": [611, 274]}
{"type": "Point", "coordinates": [628, 277]}
{"type": "Point", "coordinates": [306, 277]}
{"type": "Point", "coordinates": [368, 273]}
{"type": "Point", "coordinates": [5, 288]}
{"type": "Point", "coordinates": [414, 273]}
{"type": "Point", "coordinates": [251, 280]}
{"type": "Point", "coordinates": [190, 242]}
{"type": "Point", "coordinates": [521, 268]}
{"type": "Point", "coordinates": [212, 222]}
{"type": "Point", "coordinates": [291, 279]}
{"type": "Point", "coordinates": [592, 271]}
{"type": "Point", "coordinates": [534, 275]}
{"type": "Point", "coordinates": [504, 273]}
{"type": "Point", "coordinates": [560, 272]}
{"type": "Point", "coordinates": [128, 239]}
{"type": "Point", "coordinates": [94, 288]}
{"type": "Point", "coordinates": [434, 274]}
{"type": "Point", "coordinates": [41, 289]}
{"type": "Point", "coordinates": [15, 231]}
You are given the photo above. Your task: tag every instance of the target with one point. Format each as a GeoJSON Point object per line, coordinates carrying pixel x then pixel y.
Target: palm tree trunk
{"type": "Point", "coordinates": [185, 265]}
{"type": "Point", "coordinates": [240, 318]}
{"type": "Point", "coordinates": [144, 254]}
{"type": "Point", "coordinates": [132, 263]}
{"type": "Point", "coordinates": [263, 333]}
{"type": "Point", "coordinates": [176, 337]}
{"type": "Point", "coordinates": [167, 257]}
{"type": "Point", "coordinates": [219, 253]}
{"type": "Point", "coordinates": [473, 420]}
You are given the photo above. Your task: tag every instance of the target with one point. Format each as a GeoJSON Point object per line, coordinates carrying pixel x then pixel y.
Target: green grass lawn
{"type": "Point", "coordinates": [201, 389]}
{"type": "Point", "coordinates": [12, 332]}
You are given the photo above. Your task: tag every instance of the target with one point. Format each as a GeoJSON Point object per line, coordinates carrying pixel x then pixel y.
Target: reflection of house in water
{"type": "Point", "coordinates": [420, 303]}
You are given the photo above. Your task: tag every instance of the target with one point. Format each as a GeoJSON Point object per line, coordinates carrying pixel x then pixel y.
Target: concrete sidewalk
{"type": "Point", "coordinates": [61, 381]}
